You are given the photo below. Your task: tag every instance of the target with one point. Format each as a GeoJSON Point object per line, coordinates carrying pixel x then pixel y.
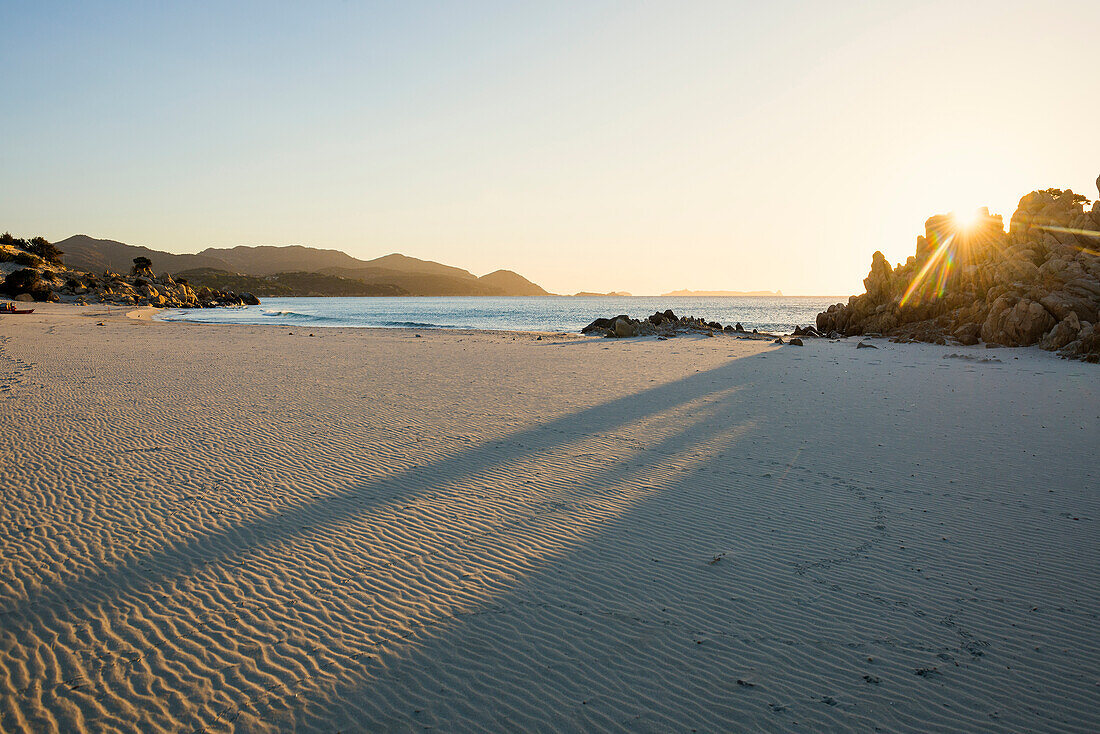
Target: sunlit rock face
{"type": "Point", "coordinates": [1037, 283]}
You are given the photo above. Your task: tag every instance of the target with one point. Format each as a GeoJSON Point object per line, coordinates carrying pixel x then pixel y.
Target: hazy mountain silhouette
{"type": "Point", "coordinates": [287, 266]}
{"type": "Point", "coordinates": [513, 283]}
{"type": "Point", "coordinates": [406, 264]}
{"type": "Point", "coordinates": [268, 259]}
{"type": "Point", "coordinates": [421, 283]}
{"type": "Point", "coordinates": [94, 255]}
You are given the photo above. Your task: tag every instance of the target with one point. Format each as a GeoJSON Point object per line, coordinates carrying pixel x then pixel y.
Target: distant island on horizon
{"type": "Point", "coordinates": [721, 294]}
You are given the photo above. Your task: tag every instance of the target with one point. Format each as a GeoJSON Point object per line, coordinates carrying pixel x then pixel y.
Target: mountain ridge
{"type": "Point", "coordinates": [83, 252]}
{"type": "Point", "coordinates": [393, 273]}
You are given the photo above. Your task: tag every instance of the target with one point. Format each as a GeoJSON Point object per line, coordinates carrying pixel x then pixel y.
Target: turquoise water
{"type": "Point", "coordinates": [553, 313]}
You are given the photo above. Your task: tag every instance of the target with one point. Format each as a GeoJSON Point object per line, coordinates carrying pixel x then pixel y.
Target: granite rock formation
{"type": "Point", "coordinates": [29, 275]}
{"type": "Point", "coordinates": [666, 324]}
{"type": "Point", "coordinates": [1036, 284]}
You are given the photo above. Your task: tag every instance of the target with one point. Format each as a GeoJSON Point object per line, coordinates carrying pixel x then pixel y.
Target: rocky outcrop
{"type": "Point", "coordinates": [31, 276]}
{"type": "Point", "coordinates": [666, 324]}
{"type": "Point", "coordinates": [1038, 283]}
{"type": "Point", "coordinates": [148, 290]}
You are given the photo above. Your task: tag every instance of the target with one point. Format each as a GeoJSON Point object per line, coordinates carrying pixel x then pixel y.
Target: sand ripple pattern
{"type": "Point", "coordinates": [212, 530]}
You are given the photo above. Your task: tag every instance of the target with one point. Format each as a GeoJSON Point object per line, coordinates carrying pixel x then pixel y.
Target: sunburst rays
{"type": "Point", "coordinates": [954, 245]}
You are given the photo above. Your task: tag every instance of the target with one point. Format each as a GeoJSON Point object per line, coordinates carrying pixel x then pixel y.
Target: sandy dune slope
{"type": "Point", "coordinates": [252, 529]}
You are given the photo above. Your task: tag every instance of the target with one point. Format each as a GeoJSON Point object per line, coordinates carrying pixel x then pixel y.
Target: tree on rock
{"type": "Point", "coordinates": [1068, 196]}
{"type": "Point", "coordinates": [142, 265]}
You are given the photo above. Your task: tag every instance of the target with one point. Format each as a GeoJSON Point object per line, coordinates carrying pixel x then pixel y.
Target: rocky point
{"type": "Point", "coordinates": [32, 270]}
{"type": "Point", "coordinates": [1038, 283]}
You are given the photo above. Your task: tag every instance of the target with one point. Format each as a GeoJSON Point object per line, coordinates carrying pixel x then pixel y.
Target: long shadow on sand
{"type": "Point", "coordinates": [482, 664]}
{"type": "Point", "coordinates": [331, 511]}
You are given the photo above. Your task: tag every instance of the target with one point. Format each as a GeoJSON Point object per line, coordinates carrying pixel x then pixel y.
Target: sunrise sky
{"type": "Point", "coordinates": [589, 146]}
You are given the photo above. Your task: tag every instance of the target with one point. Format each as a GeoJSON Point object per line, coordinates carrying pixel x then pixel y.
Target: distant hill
{"type": "Point", "coordinates": [421, 283]}
{"type": "Point", "coordinates": [93, 255]}
{"type": "Point", "coordinates": [512, 283]}
{"type": "Point", "coordinates": [393, 274]}
{"type": "Point", "coordinates": [713, 294]}
{"type": "Point", "coordinates": [406, 264]}
{"type": "Point", "coordinates": [268, 259]}
{"type": "Point", "coordinates": [616, 294]}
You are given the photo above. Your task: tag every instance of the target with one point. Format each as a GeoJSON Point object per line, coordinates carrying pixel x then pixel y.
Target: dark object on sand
{"type": "Point", "coordinates": [796, 342]}
{"type": "Point", "coordinates": [604, 323]}
{"type": "Point", "coordinates": [866, 345]}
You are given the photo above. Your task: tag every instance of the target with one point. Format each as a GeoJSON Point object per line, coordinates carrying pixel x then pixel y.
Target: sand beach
{"type": "Point", "coordinates": [248, 528]}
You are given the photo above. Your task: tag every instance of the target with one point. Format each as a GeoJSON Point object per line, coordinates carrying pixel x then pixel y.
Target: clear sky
{"type": "Point", "coordinates": [640, 146]}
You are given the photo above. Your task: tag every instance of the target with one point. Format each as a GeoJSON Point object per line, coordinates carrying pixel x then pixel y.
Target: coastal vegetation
{"type": "Point", "coordinates": [35, 251]}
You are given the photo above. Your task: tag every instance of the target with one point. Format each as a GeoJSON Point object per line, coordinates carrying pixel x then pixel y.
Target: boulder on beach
{"type": "Point", "coordinates": [603, 324]}
{"type": "Point", "coordinates": [623, 328]}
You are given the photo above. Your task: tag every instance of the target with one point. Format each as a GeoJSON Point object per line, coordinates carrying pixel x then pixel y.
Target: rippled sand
{"type": "Point", "coordinates": [243, 529]}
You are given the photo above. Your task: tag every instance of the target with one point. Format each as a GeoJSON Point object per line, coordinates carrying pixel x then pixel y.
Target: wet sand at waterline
{"type": "Point", "coordinates": [248, 529]}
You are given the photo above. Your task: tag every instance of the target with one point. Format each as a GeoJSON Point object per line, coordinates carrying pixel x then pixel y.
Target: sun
{"type": "Point", "coordinates": [966, 219]}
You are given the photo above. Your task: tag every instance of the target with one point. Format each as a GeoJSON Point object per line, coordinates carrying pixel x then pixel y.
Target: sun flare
{"type": "Point", "coordinates": [966, 219]}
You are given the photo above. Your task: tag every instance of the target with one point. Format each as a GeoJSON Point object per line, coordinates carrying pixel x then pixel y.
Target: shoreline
{"type": "Point", "coordinates": [148, 315]}
{"type": "Point", "coordinates": [536, 314]}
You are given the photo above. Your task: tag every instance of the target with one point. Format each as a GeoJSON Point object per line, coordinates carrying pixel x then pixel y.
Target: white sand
{"type": "Point", "coordinates": [235, 528]}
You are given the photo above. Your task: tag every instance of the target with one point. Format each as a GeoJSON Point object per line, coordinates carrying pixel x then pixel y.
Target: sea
{"type": "Point", "coordinates": [519, 313]}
